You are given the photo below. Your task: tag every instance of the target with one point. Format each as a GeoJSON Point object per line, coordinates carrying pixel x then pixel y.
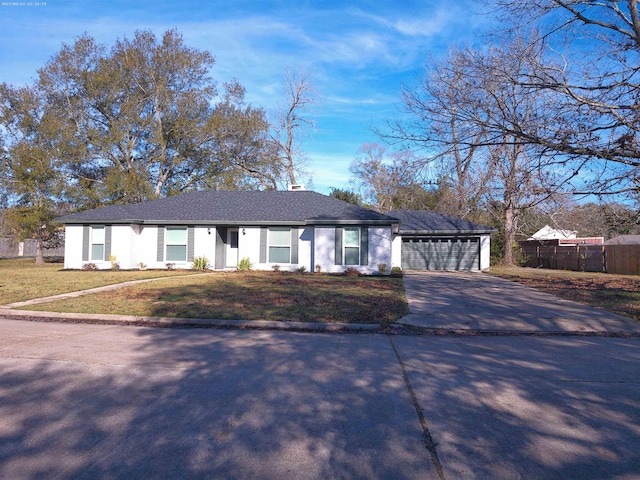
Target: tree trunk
{"type": "Point", "coordinates": [39, 252]}
{"type": "Point", "coordinates": [509, 229]}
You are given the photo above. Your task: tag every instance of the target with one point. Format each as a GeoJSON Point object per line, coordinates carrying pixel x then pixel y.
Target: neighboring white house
{"type": "Point", "coordinates": [291, 229]}
{"type": "Point", "coordinates": [550, 233]}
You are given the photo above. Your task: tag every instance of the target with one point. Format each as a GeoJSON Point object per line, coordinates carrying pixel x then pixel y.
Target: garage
{"type": "Point", "coordinates": [427, 240]}
{"type": "Point", "coordinates": [424, 253]}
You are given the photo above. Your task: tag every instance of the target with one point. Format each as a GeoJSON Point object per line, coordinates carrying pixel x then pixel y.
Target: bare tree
{"type": "Point", "coordinates": [389, 181]}
{"type": "Point", "coordinates": [590, 67]}
{"type": "Point", "coordinates": [292, 125]}
{"type": "Point", "coordinates": [466, 112]}
{"type": "Point", "coordinates": [439, 127]}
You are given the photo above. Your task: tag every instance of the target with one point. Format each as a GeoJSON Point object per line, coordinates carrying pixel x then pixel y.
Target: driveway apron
{"type": "Point", "coordinates": [477, 301]}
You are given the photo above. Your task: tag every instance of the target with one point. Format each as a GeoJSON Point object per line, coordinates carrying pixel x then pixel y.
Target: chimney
{"type": "Point", "coordinates": [296, 187]}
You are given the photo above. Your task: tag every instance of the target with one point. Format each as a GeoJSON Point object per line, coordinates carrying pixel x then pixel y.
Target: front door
{"type": "Point", "coordinates": [232, 247]}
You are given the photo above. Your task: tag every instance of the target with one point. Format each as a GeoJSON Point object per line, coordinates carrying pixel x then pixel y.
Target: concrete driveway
{"type": "Point", "coordinates": [477, 301]}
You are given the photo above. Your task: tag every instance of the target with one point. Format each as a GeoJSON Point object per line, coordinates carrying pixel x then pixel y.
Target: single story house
{"type": "Point", "coordinates": [291, 229]}
{"type": "Point", "coordinates": [428, 240]}
{"type": "Point", "coordinates": [624, 240]}
{"type": "Point", "coordinates": [550, 233]}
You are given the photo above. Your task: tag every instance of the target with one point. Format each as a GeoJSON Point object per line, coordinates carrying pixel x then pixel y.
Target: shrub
{"type": "Point", "coordinates": [318, 268]}
{"type": "Point", "coordinates": [142, 265]}
{"type": "Point", "coordinates": [351, 272]}
{"type": "Point", "coordinates": [382, 267]}
{"type": "Point", "coordinates": [201, 263]}
{"type": "Point", "coordinates": [245, 265]}
{"type": "Point", "coordinates": [170, 266]}
{"type": "Point", "coordinates": [89, 266]}
{"type": "Point", "coordinates": [114, 262]}
{"type": "Point", "coordinates": [275, 268]}
{"type": "Point", "coordinates": [396, 272]}
{"type": "Point", "coordinates": [301, 269]}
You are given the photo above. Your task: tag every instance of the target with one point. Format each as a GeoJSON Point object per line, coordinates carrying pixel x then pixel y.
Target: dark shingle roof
{"type": "Point", "coordinates": [426, 222]}
{"type": "Point", "coordinates": [624, 240]}
{"type": "Point", "coordinates": [234, 207]}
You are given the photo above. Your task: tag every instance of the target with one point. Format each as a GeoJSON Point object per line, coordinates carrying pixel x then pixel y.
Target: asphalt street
{"type": "Point", "coordinates": [91, 401]}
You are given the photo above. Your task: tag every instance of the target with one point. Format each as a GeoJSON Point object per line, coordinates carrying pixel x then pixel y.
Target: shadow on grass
{"type": "Point", "coordinates": [284, 297]}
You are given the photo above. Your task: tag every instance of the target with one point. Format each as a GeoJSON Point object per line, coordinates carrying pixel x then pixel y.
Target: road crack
{"type": "Point", "coordinates": [429, 443]}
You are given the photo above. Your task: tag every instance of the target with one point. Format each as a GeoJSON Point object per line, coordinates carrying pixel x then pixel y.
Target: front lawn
{"type": "Point", "coordinates": [21, 279]}
{"type": "Point", "coordinates": [616, 293]}
{"type": "Point", "coordinates": [276, 296]}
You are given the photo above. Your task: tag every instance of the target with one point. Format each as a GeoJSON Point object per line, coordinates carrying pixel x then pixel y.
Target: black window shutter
{"type": "Point", "coordinates": [263, 244]}
{"type": "Point", "coordinates": [190, 243]}
{"type": "Point", "coordinates": [107, 242]}
{"type": "Point", "coordinates": [364, 246]}
{"type": "Point", "coordinates": [160, 255]}
{"type": "Point", "coordinates": [294, 245]}
{"type": "Point", "coordinates": [86, 233]}
{"type": "Point", "coordinates": [338, 246]}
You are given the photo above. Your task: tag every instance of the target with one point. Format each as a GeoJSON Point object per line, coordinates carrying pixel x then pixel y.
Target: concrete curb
{"type": "Point", "coordinates": [317, 327]}
{"type": "Point", "coordinates": [104, 319]}
{"type": "Point", "coordinates": [470, 332]}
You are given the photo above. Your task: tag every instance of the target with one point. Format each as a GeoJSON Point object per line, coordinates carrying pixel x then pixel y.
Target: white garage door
{"type": "Point", "coordinates": [427, 253]}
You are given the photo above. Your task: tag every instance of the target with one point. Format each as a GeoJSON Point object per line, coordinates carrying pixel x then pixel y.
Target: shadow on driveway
{"type": "Point", "coordinates": [476, 301]}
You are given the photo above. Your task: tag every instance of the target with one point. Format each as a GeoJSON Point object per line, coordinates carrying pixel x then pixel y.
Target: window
{"type": "Point", "coordinates": [279, 245]}
{"type": "Point", "coordinates": [97, 243]}
{"type": "Point", "coordinates": [176, 239]}
{"type": "Point", "coordinates": [352, 246]}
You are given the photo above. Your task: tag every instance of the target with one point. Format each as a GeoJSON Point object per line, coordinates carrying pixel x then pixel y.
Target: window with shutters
{"type": "Point", "coordinates": [176, 245]}
{"type": "Point", "coordinates": [279, 245]}
{"type": "Point", "coordinates": [97, 243]}
{"type": "Point", "coordinates": [351, 246]}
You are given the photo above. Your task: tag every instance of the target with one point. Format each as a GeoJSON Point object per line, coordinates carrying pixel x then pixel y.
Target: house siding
{"type": "Point", "coordinates": [135, 244]}
{"type": "Point", "coordinates": [253, 244]}
{"type": "Point", "coordinates": [73, 246]}
{"type": "Point", "coordinates": [377, 250]}
{"type": "Point", "coordinates": [485, 252]}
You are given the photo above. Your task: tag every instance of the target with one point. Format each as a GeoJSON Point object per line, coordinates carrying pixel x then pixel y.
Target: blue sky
{"type": "Point", "coordinates": [359, 53]}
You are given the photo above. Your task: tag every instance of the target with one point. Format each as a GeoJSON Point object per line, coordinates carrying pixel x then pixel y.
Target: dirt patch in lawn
{"type": "Point", "coordinates": [253, 296]}
{"type": "Point", "coordinates": [616, 293]}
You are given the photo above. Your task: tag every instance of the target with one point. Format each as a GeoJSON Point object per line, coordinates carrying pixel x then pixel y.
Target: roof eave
{"type": "Point", "coordinates": [327, 222]}
{"type": "Point", "coordinates": [446, 232]}
{"type": "Point", "coordinates": [118, 221]}
{"type": "Point", "coordinates": [225, 223]}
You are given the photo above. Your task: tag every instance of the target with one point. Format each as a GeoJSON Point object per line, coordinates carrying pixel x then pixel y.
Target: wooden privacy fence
{"type": "Point", "coordinates": [10, 247]}
{"type": "Point", "coordinates": [622, 259]}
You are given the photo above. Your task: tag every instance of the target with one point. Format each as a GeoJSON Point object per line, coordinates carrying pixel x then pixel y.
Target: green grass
{"type": "Point", "coordinates": [253, 296]}
{"type": "Point", "coordinates": [616, 293]}
{"type": "Point", "coordinates": [21, 279]}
